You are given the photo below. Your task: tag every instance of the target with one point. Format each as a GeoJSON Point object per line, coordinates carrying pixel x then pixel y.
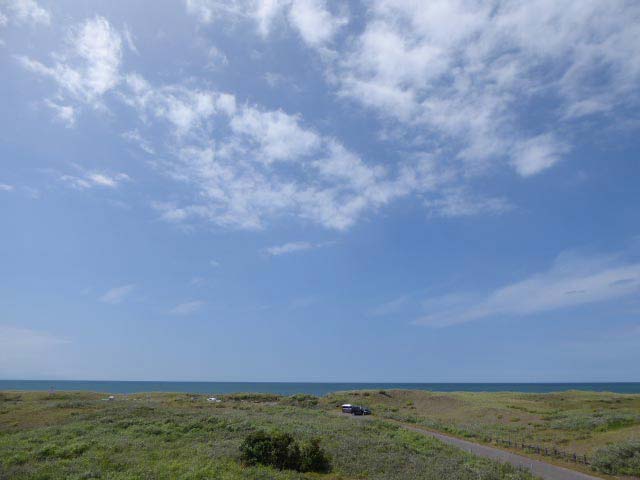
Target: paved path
{"type": "Point", "coordinates": [538, 468]}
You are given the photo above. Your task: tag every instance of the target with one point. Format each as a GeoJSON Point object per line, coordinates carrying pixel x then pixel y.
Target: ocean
{"type": "Point", "coordinates": [286, 388]}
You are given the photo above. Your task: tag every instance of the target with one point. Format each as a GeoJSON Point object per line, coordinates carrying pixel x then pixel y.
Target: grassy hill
{"type": "Point", "coordinates": [178, 436]}
{"type": "Point", "coordinates": [585, 423]}
{"type": "Point", "coordinates": [81, 435]}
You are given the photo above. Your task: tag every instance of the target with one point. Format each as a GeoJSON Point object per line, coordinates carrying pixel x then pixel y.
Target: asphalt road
{"type": "Point", "coordinates": [538, 468]}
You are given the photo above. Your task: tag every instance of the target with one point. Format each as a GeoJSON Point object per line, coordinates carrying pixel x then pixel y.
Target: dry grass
{"type": "Point", "coordinates": [179, 436]}
{"type": "Point", "coordinates": [575, 421]}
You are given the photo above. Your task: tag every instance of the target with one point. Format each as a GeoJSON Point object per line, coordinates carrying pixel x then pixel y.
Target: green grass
{"type": "Point", "coordinates": [178, 436]}
{"type": "Point", "coordinates": [577, 422]}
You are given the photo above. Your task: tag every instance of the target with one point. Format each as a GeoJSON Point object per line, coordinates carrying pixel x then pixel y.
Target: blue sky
{"type": "Point", "coordinates": [301, 190]}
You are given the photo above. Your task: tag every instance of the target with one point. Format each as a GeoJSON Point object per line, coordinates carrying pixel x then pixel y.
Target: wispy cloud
{"type": "Point", "coordinates": [464, 83]}
{"type": "Point", "coordinates": [455, 95]}
{"type": "Point", "coordinates": [573, 280]}
{"type": "Point", "coordinates": [5, 187]}
{"type": "Point", "coordinates": [135, 137]}
{"type": "Point", "coordinates": [241, 182]}
{"type": "Point", "coordinates": [187, 308]}
{"type": "Point", "coordinates": [316, 24]}
{"type": "Point", "coordinates": [117, 294]}
{"type": "Point", "coordinates": [95, 179]}
{"type": "Point", "coordinates": [28, 352]}
{"type": "Point", "coordinates": [391, 307]}
{"type": "Point", "coordinates": [65, 113]}
{"type": "Point", "coordinates": [27, 11]}
{"type": "Point", "coordinates": [460, 203]}
{"type": "Point", "coordinates": [291, 247]}
{"type": "Point", "coordinates": [18, 338]}
{"type": "Point", "coordinates": [88, 69]}
{"type": "Point", "coordinates": [214, 263]}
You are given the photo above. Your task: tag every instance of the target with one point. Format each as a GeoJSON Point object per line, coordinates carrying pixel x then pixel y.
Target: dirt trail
{"type": "Point", "coordinates": [537, 467]}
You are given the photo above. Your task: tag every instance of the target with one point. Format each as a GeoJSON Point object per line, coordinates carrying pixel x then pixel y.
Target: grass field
{"type": "Point", "coordinates": [179, 436]}
{"type": "Point", "coordinates": [143, 436]}
{"type": "Point", "coordinates": [576, 422]}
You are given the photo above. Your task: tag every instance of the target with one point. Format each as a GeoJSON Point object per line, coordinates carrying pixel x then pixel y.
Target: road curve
{"type": "Point", "coordinates": [538, 468]}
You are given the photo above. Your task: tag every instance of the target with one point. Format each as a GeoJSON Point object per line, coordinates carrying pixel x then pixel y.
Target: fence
{"type": "Point", "coordinates": [540, 450]}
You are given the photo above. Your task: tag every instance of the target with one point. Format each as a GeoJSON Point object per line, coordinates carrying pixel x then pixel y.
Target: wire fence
{"type": "Point", "coordinates": [540, 449]}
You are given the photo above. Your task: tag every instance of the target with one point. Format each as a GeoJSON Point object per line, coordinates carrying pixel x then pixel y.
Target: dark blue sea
{"type": "Point", "coordinates": [309, 388]}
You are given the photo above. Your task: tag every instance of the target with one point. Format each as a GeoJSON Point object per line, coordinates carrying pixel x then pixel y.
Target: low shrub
{"type": "Point", "coordinates": [313, 458]}
{"type": "Point", "coordinates": [618, 459]}
{"type": "Point", "coordinates": [281, 451]}
{"type": "Point", "coordinates": [600, 422]}
{"type": "Point", "coordinates": [301, 400]}
{"type": "Point", "coordinates": [251, 397]}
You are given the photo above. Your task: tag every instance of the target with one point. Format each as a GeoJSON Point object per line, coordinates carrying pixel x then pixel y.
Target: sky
{"type": "Point", "coordinates": [305, 190]}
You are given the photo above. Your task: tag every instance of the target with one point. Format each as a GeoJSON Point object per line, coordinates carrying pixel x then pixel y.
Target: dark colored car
{"type": "Point", "coordinates": [356, 410]}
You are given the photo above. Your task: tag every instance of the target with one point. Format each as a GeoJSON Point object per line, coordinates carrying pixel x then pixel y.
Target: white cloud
{"type": "Point", "coordinates": [292, 247]}
{"type": "Point", "coordinates": [572, 281]}
{"type": "Point", "coordinates": [314, 22]}
{"type": "Point", "coordinates": [214, 263]}
{"type": "Point", "coordinates": [217, 57]}
{"type": "Point", "coordinates": [537, 154]}
{"type": "Point", "coordinates": [91, 65]}
{"type": "Point", "coordinates": [267, 164]}
{"type": "Point", "coordinates": [28, 11]}
{"type": "Point", "coordinates": [117, 294]}
{"type": "Point", "coordinates": [204, 10]}
{"type": "Point", "coordinates": [459, 203]}
{"type": "Point", "coordinates": [244, 165]}
{"type": "Point", "coordinates": [65, 113]}
{"type": "Point", "coordinates": [468, 74]}
{"type": "Point", "coordinates": [261, 12]}
{"type": "Point", "coordinates": [312, 19]}
{"type": "Point", "coordinates": [128, 36]}
{"type": "Point", "coordinates": [188, 111]}
{"type": "Point", "coordinates": [264, 13]}
{"type": "Point", "coordinates": [95, 179]}
{"type": "Point", "coordinates": [4, 187]}
{"type": "Point", "coordinates": [135, 137]}
{"type": "Point", "coordinates": [274, 79]}
{"type": "Point", "coordinates": [277, 136]}
{"type": "Point", "coordinates": [458, 79]}
{"type": "Point", "coordinates": [187, 308]}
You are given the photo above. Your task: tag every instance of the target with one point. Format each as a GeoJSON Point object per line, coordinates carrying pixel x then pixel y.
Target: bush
{"type": "Point", "coordinates": [281, 451]}
{"type": "Point", "coordinates": [618, 459]}
{"type": "Point", "coordinates": [313, 458]}
{"type": "Point", "coordinates": [301, 400]}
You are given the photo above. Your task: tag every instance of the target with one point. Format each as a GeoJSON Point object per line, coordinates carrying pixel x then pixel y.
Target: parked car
{"type": "Point", "coordinates": [355, 410]}
{"type": "Point", "coordinates": [366, 411]}
{"type": "Point", "coordinates": [346, 408]}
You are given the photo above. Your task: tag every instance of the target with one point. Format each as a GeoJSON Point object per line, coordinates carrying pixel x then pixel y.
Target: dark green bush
{"type": "Point", "coordinates": [281, 451]}
{"type": "Point", "coordinates": [313, 458]}
{"type": "Point", "coordinates": [619, 459]}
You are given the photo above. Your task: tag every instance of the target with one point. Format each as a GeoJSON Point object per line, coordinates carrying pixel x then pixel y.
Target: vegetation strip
{"type": "Point", "coordinates": [537, 467]}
